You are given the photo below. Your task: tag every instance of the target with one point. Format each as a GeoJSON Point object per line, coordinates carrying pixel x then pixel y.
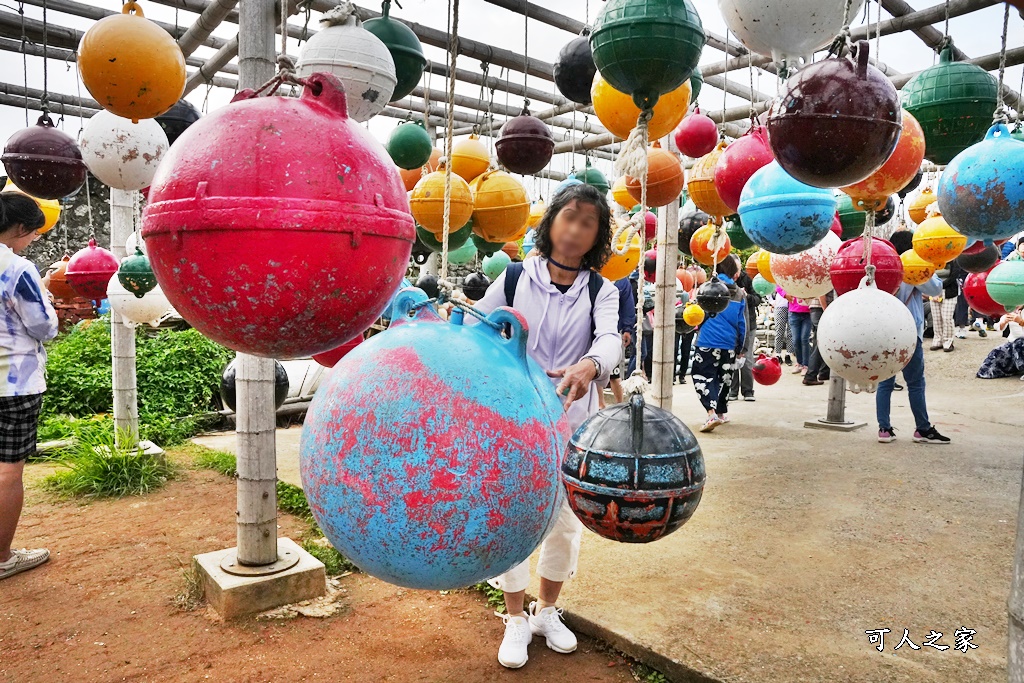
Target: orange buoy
{"type": "Point", "coordinates": [618, 266]}
{"type": "Point", "coordinates": [665, 178]}
{"type": "Point", "coordinates": [411, 177]}
{"type": "Point", "coordinates": [701, 250]}
{"type": "Point", "coordinates": [751, 265]}
{"type": "Point", "coordinates": [701, 185]}
{"type": "Point", "coordinates": [501, 207]}
{"type": "Point", "coordinates": [427, 202]}
{"type": "Point", "coordinates": [470, 158]}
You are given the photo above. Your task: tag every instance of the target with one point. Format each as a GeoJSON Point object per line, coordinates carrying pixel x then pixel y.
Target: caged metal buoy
{"type": "Point", "coordinates": [43, 161]}
{"type": "Point", "coordinates": [430, 453]}
{"type": "Point", "coordinates": [633, 472]}
{"type": "Point", "coordinates": [280, 264]}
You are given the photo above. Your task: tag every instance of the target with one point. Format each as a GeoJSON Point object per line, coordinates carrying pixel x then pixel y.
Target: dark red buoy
{"type": "Point", "coordinates": [837, 122]}
{"type": "Point", "coordinates": [525, 144]}
{"type": "Point", "coordinates": [44, 161]}
{"type": "Point", "coordinates": [848, 266]}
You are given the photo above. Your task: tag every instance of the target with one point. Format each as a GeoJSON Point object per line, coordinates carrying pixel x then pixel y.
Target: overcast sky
{"type": "Point", "coordinates": [976, 34]}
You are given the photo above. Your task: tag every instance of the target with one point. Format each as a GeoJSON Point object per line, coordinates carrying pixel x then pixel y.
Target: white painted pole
{"type": "Point", "coordinates": [254, 380]}
{"type": "Point", "coordinates": [665, 301]}
{"type": "Point", "coordinates": [1015, 605]}
{"type": "Point", "coordinates": [122, 338]}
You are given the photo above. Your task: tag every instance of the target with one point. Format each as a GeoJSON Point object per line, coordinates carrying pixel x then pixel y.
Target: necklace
{"type": "Point", "coordinates": [556, 264]}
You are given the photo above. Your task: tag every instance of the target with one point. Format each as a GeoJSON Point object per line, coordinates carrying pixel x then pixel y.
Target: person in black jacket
{"type": "Point", "coordinates": [944, 308]}
{"type": "Point", "coordinates": [743, 377]}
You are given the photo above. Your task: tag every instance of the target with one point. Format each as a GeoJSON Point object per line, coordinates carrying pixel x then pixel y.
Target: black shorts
{"type": "Point", "coordinates": [19, 420]}
{"type": "Point", "coordinates": [617, 372]}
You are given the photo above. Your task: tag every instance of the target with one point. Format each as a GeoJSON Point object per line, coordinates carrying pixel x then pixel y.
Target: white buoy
{"type": "Point", "coordinates": [152, 308]}
{"type": "Point", "coordinates": [122, 154]}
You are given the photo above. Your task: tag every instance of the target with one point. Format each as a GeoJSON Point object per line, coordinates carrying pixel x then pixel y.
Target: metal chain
{"type": "Point", "coordinates": [1000, 115]}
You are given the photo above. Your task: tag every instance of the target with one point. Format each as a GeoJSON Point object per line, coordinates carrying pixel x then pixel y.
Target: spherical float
{"type": "Point", "coordinates": [568, 182]}
{"type": "Point", "coordinates": [751, 265]}
{"type": "Point", "coordinates": [89, 271]}
{"type": "Point", "coordinates": [650, 225]}
{"type": "Point", "coordinates": [886, 214]}
{"type": "Point", "coordinates": [762, 286]}
{"type": "Point", "coordinates": [50, 207]}
{"type": "Point", "coordinates": [713, 296]}
{"type": "Point", "coordinates": [621, 195]}
{"type": "Point", "coordinates": [525, 144]}
{"type": "Point", "coordinates": [691, 219]}
{"type": "Point", "coordinates": [470, 158]}
{"type": "Point", "coordinates": [647, 48]}
{"type": "Point", "coordinates": [429, 284]}
{"type": "Point", "coordinates": [702, 249]}
{"type": "Point", "coordinates": [59, 286]}
{"type": "Point", "coordinates": [837, 122]}
{"type": "Point", "coordinates": [574, 70]}
{"type": "Point", "coordinates": [501, 207]}
{"type": "Point", "coordinates": [456, 238]}
{"type": "Point", "coordinates": [593, 177]}
{"type": "Point", "coordinates": [411, 177]}
{"type": "Point", "coordinates": [329, 359]}
{"type": "Point", "coordinates": [1005, 284]}
{"type": "Point", "coordinates": [487, 248]}
{"type": "Point", "coordinates": [976, 291]}
{"type": "Point", "coordinates": [697, 135]}
{"type": "Point", "coordinates": [953, 101]}
{"type": "Point", "coordinates": [764, 268]}
{"type": "Point", "coordinates": [148, 308]}
{"type": "Point", "coordinates": [280, 264]}
{"type": "Point", "coordinates": [529, 241]}
{"type": "Point", "coordinates": [427, 202]}
{"type": "Point", "coordinates": [633, 472]}
{"type": "Point", "coordinates": [135, 274]}
{"type": "Point", "coordinates": [685, 278]}
{"type": "Point", "coordinates": [620, 266]}
{"type": "Point", "coordinates": [866, 336]}
{"type": "Point", "coordinates": [665, 178]}
{"type": "Point", "coordinates": [782, 214]}
{"type": "Point", "coordinates": [981, 261]}
{"type": "Point", "coordinates": [693, 314]}
{"type": "Point", "coordinates": [787, 31]}
{"type": "Point", "coordinates": [738, 161]}
{"type": "Point", "coordinates": [122, 154]}
{"type": "Point", "coordinates": [43, 161]}
{"type": "Point", "coordinates": [981, 191]}
{"type": "Point", "coordinates": [851, 219]}
{"type": "Point", "coordinates": [495, 264]}
{"type": "Point", "coordinates": [462, 255]}
{"type": "Point", "coordinates": [734, 229]}
{"type": "Point", "coordinates": [537, 210]}
{"type": "Point", "coordinates": [917, 209]}
{"type": "Point", "coordinates": [436, 495]}
{"type": "Point", "coordinates": [837, 225]}
{"type": "Point", "coordinates": [936, 242]}
{"type": "Point", "coordinates": [902, 166]}
{"type": "Point", "coordinates": [132, 66]}
{"type": "Point", "coordinates": [616, 111]}
{"type": "Point", "coordinates": [405, 48]}
{"type": "Point", "coordinates": [849, 267]}
{"type": "Point", "coordinates": [410, 145]}
{"type": "Point", "coordinates": [475, 286]}
{"type": "Point", "coordinates": [360, 60]}
{"type": "Point", "coordinates": [914, 182]}
{"type": "Point", "coordinates": [227, 385]}
{"type": "Point", "coordinates": [177, 119]}
{"type": "Point", "coordinates": [916, 271]}
{"type": "Point", "coordinates": [766, 369]}
{"type": "Point", "coordinates": [807, 274]}
{"type": "Point", "coordinates": [701, 184]}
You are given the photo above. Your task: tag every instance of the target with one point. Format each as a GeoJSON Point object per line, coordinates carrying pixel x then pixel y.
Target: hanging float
{"type": "Point", "coordinates": [149, 308]}
{"type": "Point", "coordinates": [470, 158]}
{"type": "Point", "coordinates": [574, 70]}
{"type": "Point", "coordinates": [89, 270]}
{"type": "Point", "coordinates": [405, 48]}
{"type": "Point", "coordinates": [43, 161]}
{"type": "Point", "coordinates": [701, 185]}
{"type": "Point", "coordinates": [807, 274]}
{"type": "Point", "coordinates": [697, 135]}
{"type": "Point", "coordinates": [1005, 284]}
{"type": "Point", "coordinates": [783, 215]}
{"type": "Point", "coordinates": [177, 119]}
{"type": "Point", "coordinates": [410, 146]}
{"type": "Point", "coordinates": [122, 154]}
{"type": "Point", "coordinates": [665, 178]}
{"type": "Point", "coordinates": [501, 207]}
{"type": "Point", "coordinates": [427, 202]}
{"type": "Point", "coordinates": [849, 266]}
{"type": "Point", "coordinates": [617, 112]}
{"type": "Point", "coordinates": [524, 144]}
{"type": "Point", "coordinates": [738, 162]}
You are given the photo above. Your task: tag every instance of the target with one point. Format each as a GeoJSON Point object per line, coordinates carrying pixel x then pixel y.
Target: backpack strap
{"type": "Point", "coordinates": [512, 273]}
{"type": "Point", "coordinates": [594, 287]}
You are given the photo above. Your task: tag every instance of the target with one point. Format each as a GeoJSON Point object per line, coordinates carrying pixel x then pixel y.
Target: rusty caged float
{"type": "Point", "coordinates": [436, 470]}
{"type": "Point", "coordinates": [279, 264]}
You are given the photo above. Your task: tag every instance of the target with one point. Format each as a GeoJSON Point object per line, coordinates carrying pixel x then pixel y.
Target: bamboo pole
{"type": "Point", "coordinates": [254, 380]}
{"type": "Point", "coordinates": [122, 338]}
{"type": "Point", "coordinates": [663, 367]}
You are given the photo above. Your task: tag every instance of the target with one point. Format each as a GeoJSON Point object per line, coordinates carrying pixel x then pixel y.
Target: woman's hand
{"type": "Point", "coordinates": [575, 380]}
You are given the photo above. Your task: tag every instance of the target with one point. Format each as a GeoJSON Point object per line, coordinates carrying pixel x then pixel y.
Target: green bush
{"type": "Point", "coordinates": [218, 461]}
{"type": "Point", "coordinates": [96, 466]}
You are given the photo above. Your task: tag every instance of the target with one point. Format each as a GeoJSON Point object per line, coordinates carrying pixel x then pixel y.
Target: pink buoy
{"type": "Point", "coordinates": [848, 266]}
{"type": "Point", "coordinates": [696, 135]}
{"type": "Point", "coordinates": [837, 226]}
{"type": "Point", "coordinates": [650, 226]}
{"type": "Point", "coordinates": [89, 271]}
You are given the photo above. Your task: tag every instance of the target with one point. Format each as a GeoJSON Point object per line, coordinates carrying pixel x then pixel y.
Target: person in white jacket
{"type": "Point", "coordinates": [572, 315]}
{"type": "Point", "coordinates": [28, 321]}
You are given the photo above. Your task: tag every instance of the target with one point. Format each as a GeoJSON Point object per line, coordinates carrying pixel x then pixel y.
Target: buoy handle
{"type": "Point", "coordinates": [409, 306]}
{"type": "Point", "coordinates": [863, 54]}
{"type": "Point", "coordinates": [511, 328]}
{"type": "Point", "coordinates": [998, 130]}
{"type": "Point", "coordinates": [328, 90]}
{"type": "Point", "coordinates": [131, 7]}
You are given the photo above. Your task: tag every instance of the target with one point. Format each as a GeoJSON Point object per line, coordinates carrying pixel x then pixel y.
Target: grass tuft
{"type": "Point", "coordinates": [218, 461]}
{"type": "Point", "coordinates": [96, 466]}
{"type": "Point", "coordinates": [495, 596]}
{"type": "Point", "coordinates": [191, 594]}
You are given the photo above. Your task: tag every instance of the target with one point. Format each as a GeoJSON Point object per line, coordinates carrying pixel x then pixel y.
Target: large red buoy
{"type": "Point", "coordinates": [277, 226]}
{"type": "Point", "coordinates": [740, 160]}
{"type": "Point", "coordinates": [849, 267]}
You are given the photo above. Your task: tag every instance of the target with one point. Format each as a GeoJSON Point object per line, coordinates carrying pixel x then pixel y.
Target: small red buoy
{"type": "Point", "coordinates": [740, 160]}
{"type": "Point", "coordinates": [766, 370]}
{"type": "Point", "coordinates": [696, 135]}
{"type": "Point", "coordinates": [89, 271]}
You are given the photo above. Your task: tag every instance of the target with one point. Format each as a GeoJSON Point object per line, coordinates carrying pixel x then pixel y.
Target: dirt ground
{"type": "Point", "coordinates": [102, 609]}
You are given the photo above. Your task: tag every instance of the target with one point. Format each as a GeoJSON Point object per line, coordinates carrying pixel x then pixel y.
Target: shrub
{"type": "Point", "coordinates": [97, 466]}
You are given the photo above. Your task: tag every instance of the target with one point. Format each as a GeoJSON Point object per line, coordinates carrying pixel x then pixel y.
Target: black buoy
{"type": "Point", "coordinates": [574, 70]}
{"type": "Point", "coordinates": [689, 223]}
{"type": "Point", "coordinates": [227, 385]}
{"type": "Point", "coordinates": [428, 283]}
{"type": "Point", "coordinates": [177, 119]}
{"type": "Point", "coordinates": [713, 296]}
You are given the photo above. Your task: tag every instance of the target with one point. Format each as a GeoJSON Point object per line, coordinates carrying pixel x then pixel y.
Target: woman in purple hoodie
{"type": "Point", "coordinates": [572, 314]}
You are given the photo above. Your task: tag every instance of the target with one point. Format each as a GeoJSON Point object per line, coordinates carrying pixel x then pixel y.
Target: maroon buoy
{"type": "Point", "coordinates": [525, 144]}
{"type": "Point", "coordinates": [44, 161]}
{"type": "Point", "coordinates": [837, 122]}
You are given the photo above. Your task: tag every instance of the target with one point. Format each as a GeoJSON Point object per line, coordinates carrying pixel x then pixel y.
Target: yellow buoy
{"type": "Point", "coordinates": [537, 210]}
{"type": "Point", "coordinates": [937, 242]}
{"type": "Point", "coordinates": [916, 271]}
{"type": "Point", "coordinates": [131, 66]}
{"type": "Point", "coordinates": [621, 195]}
{"type": "Point", "coordinates": [701, 184]}
{"type": "Point", "coordinates": [470, 158]}
{"type": "Point", "coordinates": [618, 114]}
{"type": "Point", "coordinates": [501, 207]}
{"type": "Point", "coordinates": [764, 259]}
{"type": "Point", "coordinates": [693, 314]}
{"type": "Point", "coordinates": [917, 209]}
{"type": "Point", "coordinates": [427, 202]}
{"type": "Point", "coordinates": [618, 266]}
{"type": "Point", "coordinates": [49, 207]}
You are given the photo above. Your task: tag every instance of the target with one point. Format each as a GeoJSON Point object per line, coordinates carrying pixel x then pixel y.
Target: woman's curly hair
{"type": "Point", "coordinates": [585, 194]}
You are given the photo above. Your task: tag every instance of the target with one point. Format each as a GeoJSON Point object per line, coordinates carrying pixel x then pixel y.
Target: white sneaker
{"type": "Point", "coordinates": [23, 560]}
{"type": "Point", "coordinates": [548, 623]}
{"type": "Point", "coordinates": [512, 653]}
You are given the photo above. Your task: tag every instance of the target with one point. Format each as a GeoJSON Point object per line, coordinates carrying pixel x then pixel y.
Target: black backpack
{"type": "Point", "coordinates": [514, 270]}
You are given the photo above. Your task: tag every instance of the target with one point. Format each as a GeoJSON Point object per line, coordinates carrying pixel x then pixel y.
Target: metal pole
{"type": "Point", "coordinates": [254, 383]}
{"type": "Point", "coordinates": [836, 411]}
{"type": "Point", "coordinates": [122, 338]}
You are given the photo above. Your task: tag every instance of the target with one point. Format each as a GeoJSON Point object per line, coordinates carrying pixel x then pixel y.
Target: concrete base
{"type": "Point", "coordinates": [834, 426]}
{"type": "Point", "coordinates": [236, 596]}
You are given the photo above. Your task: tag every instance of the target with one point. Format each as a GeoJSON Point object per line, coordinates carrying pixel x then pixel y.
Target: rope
{"type": "Point", "coordinates": [24, 56]}
{"type": "Point", "coordinates": [869, 233]}
{"type": "Point", "coordinates": [335, 16]}
{"type": "Point", "coordinates": [1001, 114]}
{"type": "Point", "coordinates": [453, 52]}
{"type": "Point", "coordinates": [424, 169]}
{"type": "Point", "coordinates": [444, 297]}
{"type": "Point", "coordinates": [945, 30]}
{"type": "Point", "coordinates": [45, 99]}
{"type": "Point", "coordinates": [750, 68]}
{"type": "Point", "coordinates": [526, 44]}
